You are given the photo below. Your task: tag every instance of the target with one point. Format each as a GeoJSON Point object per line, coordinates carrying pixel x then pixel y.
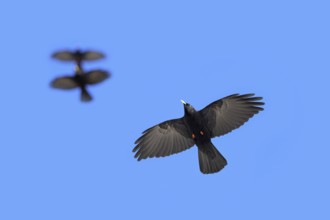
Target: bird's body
{"type": "Point", "coordinates": [198, 128]}
{"type": "Point", "coordinates": [82, 84]}
{"type": "Point", "coordinates": [199, 132]}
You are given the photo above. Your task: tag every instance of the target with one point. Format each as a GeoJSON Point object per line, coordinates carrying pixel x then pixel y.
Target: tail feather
{"type": "Point", "coordinates": [85, 96]}
{"type": "Point", "coordinates": [210, 159]}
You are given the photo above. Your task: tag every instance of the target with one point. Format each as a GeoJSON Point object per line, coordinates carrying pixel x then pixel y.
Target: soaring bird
{"type": "Point", "coordinates": [78, 56]}
{"type": "Point", "coordinates": [80, 80]}
{"type": "Point", "coordinates": [198, 128]}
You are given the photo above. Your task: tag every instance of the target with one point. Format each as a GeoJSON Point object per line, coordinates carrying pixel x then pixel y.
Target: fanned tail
{"type": "Point", "coordinates": [210, 159]}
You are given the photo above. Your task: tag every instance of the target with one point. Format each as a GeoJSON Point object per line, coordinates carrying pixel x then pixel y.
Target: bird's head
{"type": "Point", "coordinates": [188, 109]}
{"type": "Point", "coordinates": [78, 70]}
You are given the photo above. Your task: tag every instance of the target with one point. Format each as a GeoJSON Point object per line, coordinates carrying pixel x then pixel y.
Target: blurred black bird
{"type": "Point", "coordinates": [78, 56]}
{"type": "Point", "coordinates": [198, 127]}
{"type": "Point", "coordinates": [80, 80]}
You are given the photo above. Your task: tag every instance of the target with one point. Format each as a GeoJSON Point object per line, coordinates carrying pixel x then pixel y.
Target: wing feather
{"type": "Point", "coordinates": [65, 82]}
{"type": "Point", "coordinates": [95, 76]}
{"type": "Point", "coordinates": [229, 113]}
{"type": "Point", "coordinates": [64, 55]}
{"type": "Point", "coordinates": [92, 55]}
{"type": "Point", "coordinates": [164, 139]}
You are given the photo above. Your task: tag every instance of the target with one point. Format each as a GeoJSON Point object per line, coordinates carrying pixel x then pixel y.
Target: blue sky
{"type": "Point", "coordinates": [63, 159]}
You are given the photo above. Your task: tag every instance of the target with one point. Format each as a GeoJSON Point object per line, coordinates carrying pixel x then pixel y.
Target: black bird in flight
{"type": "Point", "coordinates": [78, 56]}
{"type": "Point", "coordinates": [198, 127]}
{"type": "Point", "coordinates": [80, 80]}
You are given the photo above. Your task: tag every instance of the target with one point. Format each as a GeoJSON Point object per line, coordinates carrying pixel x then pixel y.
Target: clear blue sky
{"type": "Point", "coordinates": [63, 159]}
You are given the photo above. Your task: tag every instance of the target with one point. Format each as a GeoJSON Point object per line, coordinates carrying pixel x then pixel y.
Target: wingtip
{"type": "Point", "coordinates": [108, 74]}
{"type": "Point", "coordinates": [246, 95]}
{"type": "Point", "coordinates": [135, 148]}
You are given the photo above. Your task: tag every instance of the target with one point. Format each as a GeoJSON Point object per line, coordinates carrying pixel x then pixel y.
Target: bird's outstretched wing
{"type": "Point", "coordinates": [95, 76]}
{"type": "Point", "coordinates": [92, 55]}
{"type": "Point", "coordinates": [64, 55]}
{"type": "Point", "coordinates": [164, 139]}
{"type": "Point", "coordinates": [65, 82]}
{"type": "Point", "coordinates": [229, 113]}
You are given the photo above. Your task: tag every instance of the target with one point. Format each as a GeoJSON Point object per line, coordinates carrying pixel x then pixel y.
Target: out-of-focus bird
{"type": "Point", "coordinates": [78, 56]}
{"type": "Point", "coordinates": [197, 128]}
{"type": "Point", "coordinates": [80, 80]}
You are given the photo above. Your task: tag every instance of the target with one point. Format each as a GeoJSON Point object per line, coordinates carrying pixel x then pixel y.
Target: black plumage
{"type": "Point", "coordinates": [78, 56]}
{"type": "Point", "coordinates": [80, 80]}
{"type": "Point", "coordinates": [197, 128]}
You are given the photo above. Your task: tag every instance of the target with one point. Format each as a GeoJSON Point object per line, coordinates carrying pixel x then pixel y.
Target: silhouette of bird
{"type": "Point", "coordinates": [197, 128]}
{"type": "Point", "coordinates": [80, 80]}
{"type": "Point", "coordinates": [78, 56]}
